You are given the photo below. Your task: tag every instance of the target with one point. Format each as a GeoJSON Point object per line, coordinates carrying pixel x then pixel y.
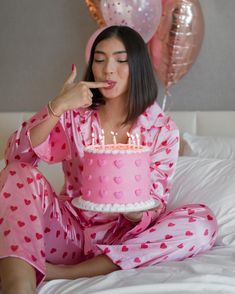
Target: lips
{"type": "Point", "coordinates": [111, 84]}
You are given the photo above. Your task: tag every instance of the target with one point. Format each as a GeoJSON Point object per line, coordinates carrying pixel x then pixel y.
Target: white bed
{"type": "Point", "coordinates": [205, 173]}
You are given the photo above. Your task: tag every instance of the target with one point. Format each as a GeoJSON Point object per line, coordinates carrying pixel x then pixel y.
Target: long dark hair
{"type": "Point", "coordinates": [142, 83]}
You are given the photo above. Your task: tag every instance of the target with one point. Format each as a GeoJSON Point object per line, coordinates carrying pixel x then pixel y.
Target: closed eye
{"type": "Point", "coordinates": [98, 60]}
{"type": "Point", "coordinates": [102, 60]}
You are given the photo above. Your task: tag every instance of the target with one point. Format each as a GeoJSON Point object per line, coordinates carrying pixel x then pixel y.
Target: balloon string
{"type": "Point", "coordinates": [164, 102]}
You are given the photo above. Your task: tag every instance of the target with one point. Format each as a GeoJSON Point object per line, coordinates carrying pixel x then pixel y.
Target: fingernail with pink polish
{"type": "Point", "coordinates": [73, 67]}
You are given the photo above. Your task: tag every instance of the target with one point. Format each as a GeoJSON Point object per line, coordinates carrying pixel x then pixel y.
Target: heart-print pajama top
{"type": "Point", "coordinates": [37, 225]}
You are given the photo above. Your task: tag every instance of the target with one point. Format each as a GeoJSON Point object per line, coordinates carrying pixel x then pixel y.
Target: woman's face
{"type": "Point", "coordinates": [111, 65]}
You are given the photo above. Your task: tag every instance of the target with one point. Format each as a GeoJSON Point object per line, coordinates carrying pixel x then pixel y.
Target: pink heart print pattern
{"type": "Point", "coordinates": [150, 241]}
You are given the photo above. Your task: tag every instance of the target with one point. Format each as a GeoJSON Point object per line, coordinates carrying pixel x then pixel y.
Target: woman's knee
{"type": "Point", "coordinates": [17, 168]}
{"type": "Point", "coordinates": [205, 225]}
{"type": "Point", "coordinates": [21, 169]}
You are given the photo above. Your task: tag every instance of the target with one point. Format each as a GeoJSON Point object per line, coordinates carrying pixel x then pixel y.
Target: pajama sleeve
{"type": "Point", "coordinates": [163, 161]}
{"type": "Point", "coordinates": [54, 149]}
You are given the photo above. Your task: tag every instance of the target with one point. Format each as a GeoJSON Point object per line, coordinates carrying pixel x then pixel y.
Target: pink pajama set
{"type": "Point", "coordinates": [38, 225]}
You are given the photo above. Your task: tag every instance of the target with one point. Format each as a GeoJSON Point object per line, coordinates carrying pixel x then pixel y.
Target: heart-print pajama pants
{"type": "Point", "coordinates": [36, 225]}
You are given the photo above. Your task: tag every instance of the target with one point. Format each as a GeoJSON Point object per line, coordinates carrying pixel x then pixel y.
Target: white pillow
{"type": "Point", "coordinates": [210, 182]}
{"type": "Point", "coordinates": [209, 146]}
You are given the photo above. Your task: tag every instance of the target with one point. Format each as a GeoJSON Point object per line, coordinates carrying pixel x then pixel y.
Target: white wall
{"type": "Point", "coordinates": [39, 41]}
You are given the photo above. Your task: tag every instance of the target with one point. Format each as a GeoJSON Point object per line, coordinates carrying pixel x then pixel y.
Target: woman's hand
{"type": "Point", "coordinates": [133, 216]}
{"type": "Point", "coordinates": [137, 216]}
{"type": "Point", "coordinates": [75, 95]}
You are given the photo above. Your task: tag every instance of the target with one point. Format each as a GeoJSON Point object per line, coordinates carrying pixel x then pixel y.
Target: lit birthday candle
{"type": "Point", "coordinates": [114, 137]}
{"type": "Point", "coordinates": [100, 139]}
{"type": "Point", "coordinates": [129, 140]}
{"type": "Point", "coordinates": [93, 139]}
{"type": "Point", "coordinates": [137, 140]}
{"type": "Point", "coordinates": [103, 137]}
{"type": "Point", "coordinates": [133, 140]}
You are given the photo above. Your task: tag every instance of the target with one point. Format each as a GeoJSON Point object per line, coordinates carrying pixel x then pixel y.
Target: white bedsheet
{"type": "Point", "coordinates": [210, 273]}
{"type": "Point", "coordinates": [207, 181]}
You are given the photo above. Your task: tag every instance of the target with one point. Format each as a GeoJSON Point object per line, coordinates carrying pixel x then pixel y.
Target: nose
{"type": "Point", "coordinates": [109, 67]}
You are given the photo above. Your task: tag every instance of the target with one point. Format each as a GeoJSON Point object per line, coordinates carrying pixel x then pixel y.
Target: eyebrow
{"type": "Point", "coordinates": [114, 53]}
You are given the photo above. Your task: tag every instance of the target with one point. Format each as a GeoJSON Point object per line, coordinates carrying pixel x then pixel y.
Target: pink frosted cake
{"type": "Point", "coordinates": [116, 178]}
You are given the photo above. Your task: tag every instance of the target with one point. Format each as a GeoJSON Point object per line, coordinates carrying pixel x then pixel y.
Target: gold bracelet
{"type": "Point", "coordinates": [52, 111]}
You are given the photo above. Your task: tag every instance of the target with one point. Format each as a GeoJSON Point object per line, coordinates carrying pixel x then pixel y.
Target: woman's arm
{"type": "Point", "coordinates": [40, 132]}
{"type": "Point", "coordinates": [35, 139]}
{"type": "Point", "coordinates": [72, 96]}
{"type": "Point", "coordinates": [163, 158]}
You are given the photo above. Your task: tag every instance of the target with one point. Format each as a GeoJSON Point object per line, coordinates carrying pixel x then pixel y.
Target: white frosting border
{"type": "Point", "coordinates": [79, 202]}
{"type": "Point", "coordinates": [101, 150]}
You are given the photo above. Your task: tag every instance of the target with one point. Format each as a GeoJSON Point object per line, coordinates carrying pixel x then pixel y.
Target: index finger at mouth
{"type": "Point", "coordinates": [94, 85]}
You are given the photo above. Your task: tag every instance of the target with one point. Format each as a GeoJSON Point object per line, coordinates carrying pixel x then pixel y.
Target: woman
{"type": "Point", "coordinates": [118, 94]}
